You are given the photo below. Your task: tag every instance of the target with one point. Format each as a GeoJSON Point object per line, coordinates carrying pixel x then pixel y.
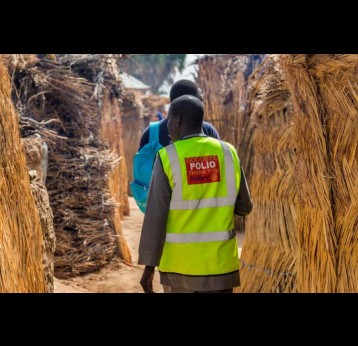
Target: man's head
{"type": "Point", "coordinates": [186, 114]}
{"type": "Point", "coordinates": [185, 87]}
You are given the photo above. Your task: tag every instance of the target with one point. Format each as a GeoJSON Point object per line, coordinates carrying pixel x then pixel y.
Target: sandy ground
{"type": "Point", "coordinates": [117, 277]}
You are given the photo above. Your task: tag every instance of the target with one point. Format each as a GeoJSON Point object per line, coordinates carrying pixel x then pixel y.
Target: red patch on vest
{"type": "Point", "coordinates": [202, 170]}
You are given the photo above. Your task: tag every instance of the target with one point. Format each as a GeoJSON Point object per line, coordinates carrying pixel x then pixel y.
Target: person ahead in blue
{"type": "Point", "coordinates": [179, 88]}
{"type": "Point", "coordinates": [159, 116]}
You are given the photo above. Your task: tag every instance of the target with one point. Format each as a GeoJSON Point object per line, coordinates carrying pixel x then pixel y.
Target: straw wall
{"type": "Point", "coordinates": [101, 70]}
{"type": "Point", "coordinates": [49, 239]}
{"type": "Point", "coordinates": [300, 234]}
{"type": "Point", "coordinates": [36, 152]}
{"type": "Point", "coordinates": [21, 265]}
{"type": "Point", "coordinates": [223, 79]}
{"type": "Point", "coordinates": [57, 102]}
{"type": "Point", "coordinates": [133, 126]}
{"type": "Point", "coordinates": [324, 91]}
{"type": "Point", "coordinates": [36, 160]}
{"type": "Point", "coordinates": [269, 254]}
{"type": "Point", "coordinates": [299, 152]}
{"type": "Point", "coordinates": [152, 104]}
{"type": "Point", "coordinates": [218, 111]}
{"type": "Point", "coordinates": [316, 257]}
{"type": "Point", "coordinates": [112, 134]}
{"type": "Point", "coordinates": [338, 90]}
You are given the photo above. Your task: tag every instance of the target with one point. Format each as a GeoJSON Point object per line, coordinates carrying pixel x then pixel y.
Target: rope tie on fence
{"type": "Point", "coordinates": [267, 271]}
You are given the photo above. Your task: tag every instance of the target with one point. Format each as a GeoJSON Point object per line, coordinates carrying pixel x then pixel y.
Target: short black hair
{"type": "Point", "coordinates": [189, 108]}
{"type": "Point", "coordinates": [184, 87]}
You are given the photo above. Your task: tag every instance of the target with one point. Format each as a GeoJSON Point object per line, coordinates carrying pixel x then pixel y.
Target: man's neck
{"type": "Point", "coordinates": [201, 134]}
{"type": "Point", "coordinates": [190, 132]}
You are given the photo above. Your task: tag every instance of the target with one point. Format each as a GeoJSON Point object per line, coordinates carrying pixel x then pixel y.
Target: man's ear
{"type": "Point", "coordinates": [178, 120]}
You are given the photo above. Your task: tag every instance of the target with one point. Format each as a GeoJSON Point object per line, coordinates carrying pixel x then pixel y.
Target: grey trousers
{"type": "Point", "coordinates": [169, 289]}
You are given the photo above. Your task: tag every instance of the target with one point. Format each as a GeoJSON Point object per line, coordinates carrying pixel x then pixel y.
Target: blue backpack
{"type": "Point", "coordinates": [143, 162]}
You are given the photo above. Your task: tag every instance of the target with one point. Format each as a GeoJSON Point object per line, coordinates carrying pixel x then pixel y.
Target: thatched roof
{"type": "Point", "coordinates": [131, 82]}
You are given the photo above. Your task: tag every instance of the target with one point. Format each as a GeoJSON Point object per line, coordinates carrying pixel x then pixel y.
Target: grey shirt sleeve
{"type": "Point", "coordinates": [155, 220]}
{"type": "Point", "coordinates": [243, 205]}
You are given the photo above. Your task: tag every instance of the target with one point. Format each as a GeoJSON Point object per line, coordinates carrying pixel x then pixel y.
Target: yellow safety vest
{"type": "Point", "coordinates": [204, 174]}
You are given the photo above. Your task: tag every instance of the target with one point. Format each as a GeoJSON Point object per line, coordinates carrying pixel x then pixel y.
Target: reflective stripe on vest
{"type": "Point", "coordinates": [200, 237]}
{"type": "Point", "coordinates": [177, 202]}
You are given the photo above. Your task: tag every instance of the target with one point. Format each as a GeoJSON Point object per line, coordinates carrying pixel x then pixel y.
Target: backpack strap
{"type": "Point", "coordinates": [154, 131]}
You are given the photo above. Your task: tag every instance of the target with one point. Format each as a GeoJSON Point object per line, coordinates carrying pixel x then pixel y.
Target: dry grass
{"type": "Point", "coordinates": [18, 62]}
{"type": "Point", "coordinates": [20, 230]}
{"type": "Point", "coordinates": [133, 126]}
{"type": "Point", "coordinates": [223, 82]}
{"type": "Point", "coordinates": [79, 166]}
{"type": "Point", "coordinates": [325, 90]}
{"type": "Point", "coordinates": [36, 161]}
{"type": "Point", "coordinates": [309, 193]}
{"type": "Point", "coordinates": [317, 238]}
{"type": "Point", "coordinates": [49, 244]}
{"type": "Point", "coordinates": [35, 153]}
{"type": "Point", "coordinates": [217, 112]}
{"type": "Point", "coordinates": [112, 134]}
{"type": "Point", "coordinates": [269, 253]}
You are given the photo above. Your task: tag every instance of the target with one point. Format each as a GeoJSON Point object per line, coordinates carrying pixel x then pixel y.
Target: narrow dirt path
{"type": "Point", "coordinates": [116, 277]}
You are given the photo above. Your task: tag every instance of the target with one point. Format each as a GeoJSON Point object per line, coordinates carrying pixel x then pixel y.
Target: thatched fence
{"type": "Point", "coordinates": [35, 150]}
{"type": "Point", "coordinates": [76, 101]}
{"type": "Point", "coordinates": [299, 152]}
{"type": "Point", "coordinates": [222, 79]}
{"type": "Point", "coordinates": [138, 110]}
{"type": "Point", "coordinates": [319, 92]}
{"type": "Point", "coordinates": [21, 257]}
{"type": "Point", "coordinates": [269, 254]}
{"type": "Point", "coordinates": [324, 92]}
{"type": "Point", "coordinates": [133, 126]}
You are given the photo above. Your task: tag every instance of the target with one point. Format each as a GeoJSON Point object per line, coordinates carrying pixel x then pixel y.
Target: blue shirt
{"type": "Point", "coordinates": [164, 138]}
